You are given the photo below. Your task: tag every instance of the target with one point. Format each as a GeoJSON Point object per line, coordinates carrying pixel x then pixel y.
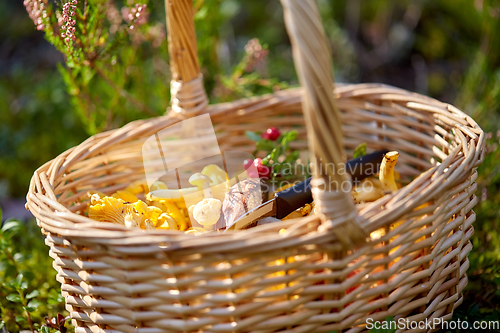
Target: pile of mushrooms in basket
{"type": "Point", "coordinates": [270, 188]}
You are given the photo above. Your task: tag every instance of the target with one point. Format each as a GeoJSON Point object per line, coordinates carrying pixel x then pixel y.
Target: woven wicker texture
{"type": "Point", "coordinates": [413, 264]}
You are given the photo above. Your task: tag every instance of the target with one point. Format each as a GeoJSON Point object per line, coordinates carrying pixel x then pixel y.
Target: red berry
{"type": "Point", "coordinates": [252, 173]}
{"type": "Point", "coordinates": [257, 162]}
{"type": "Point", "coordinates": [247, 163]}
{"type": "Point", "coordinates": [264, 171]}
{"type": "Point", "coordinates": [272, 134]}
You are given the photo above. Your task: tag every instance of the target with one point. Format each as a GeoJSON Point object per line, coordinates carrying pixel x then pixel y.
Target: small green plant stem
{"type": "Point", "coordinates": [122, 92]}
{"type": "Point", "coordinates": [20, 292]}
{"type": "Point", "coordinates": [85, 11]}
{"type": "Point", "coordinates": [25, 304]}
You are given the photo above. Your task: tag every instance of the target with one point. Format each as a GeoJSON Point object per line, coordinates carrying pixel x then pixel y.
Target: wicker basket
{"type": "Point", "coordinates": [326, 272]}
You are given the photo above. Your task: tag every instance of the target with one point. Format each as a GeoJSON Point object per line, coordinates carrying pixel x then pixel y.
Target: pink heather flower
{"type": "Point", "coordinates": [255, 53]}
{"type": "Point", "coordinates": [135, 16]}
{"type": "Point", "coordinates": [68, 27]}
{"type": "Point", "coordinates": [37, 11]}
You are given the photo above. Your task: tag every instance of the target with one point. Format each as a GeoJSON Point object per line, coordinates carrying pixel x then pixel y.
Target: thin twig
{"type": "Point", "coordinates": [30, 322]}
{"type": "Point", "coordinates": [124, 93]}
{"type": "Point", "coordinates": [85, 11]}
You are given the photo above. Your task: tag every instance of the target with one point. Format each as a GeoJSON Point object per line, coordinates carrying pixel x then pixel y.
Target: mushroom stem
{"type": "Point", "coordinates": [202, 182]}
{"type": "Point", "coordinates": [207, 192]}
{"type": "Point", "coordinates": [367, 191]}
{"type": "Point", "coordinates": [386, 174]}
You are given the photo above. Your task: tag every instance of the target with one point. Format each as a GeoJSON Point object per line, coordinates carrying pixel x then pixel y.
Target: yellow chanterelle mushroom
{"type": "Point", "coordinates": [165, 221]}
{"type": "Point", "coordinates": [126, 196]}
{"type": "Point", "coordinates": [107, 209]}
{"type": "Point", "coordinates": [386, 174]}
{"type": "Point", "coordinates": [367, 191]}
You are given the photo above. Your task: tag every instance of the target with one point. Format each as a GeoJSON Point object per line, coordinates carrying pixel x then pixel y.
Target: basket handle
{"type": "Point", "coordinates": [330, 185]}
{"type": "Point", "coordinates": [312, 61]}
{"type": "Point", "coordinates": [187, 91]}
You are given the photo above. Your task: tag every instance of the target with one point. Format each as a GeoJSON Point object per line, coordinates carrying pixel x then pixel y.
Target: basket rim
{"type": "Point", "coordinates": [459, 165]}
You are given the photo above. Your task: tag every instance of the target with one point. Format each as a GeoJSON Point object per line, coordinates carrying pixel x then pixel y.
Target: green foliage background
{"type": "Point", "coordinates": [51, 99]}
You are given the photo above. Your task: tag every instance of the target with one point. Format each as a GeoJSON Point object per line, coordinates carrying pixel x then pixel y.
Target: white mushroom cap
{"type": "Point", "coordinates": [207, 212]}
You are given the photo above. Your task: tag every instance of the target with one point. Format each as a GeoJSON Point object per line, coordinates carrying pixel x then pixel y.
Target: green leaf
{"type": "Point", "coordinates": [2, 324]}
{"type": "Point", "coordinates": [19, 257]}
{"type": "Point", "coordinates": [359, 150]}
{"type": "Point", "coordinates": [24, 285]}
{"type": "Point", "coordinates": [10, 225]}
{"type": "Point", "coordinates": [16, 298]}
{"type": "Point", "coordinates": [55, 297]}
{"type": "Point", "coordinates": [292, 157]}
{"type": "Point", "coordinates": [253, 136]}
{"type": "Point", "coordinates": [45, 329]}
{"type": "Point", "coordinates": [287, 138]}
{"type": "Point", "coordinates": [265, 145]}
{"type": "Point", "coordinates": [19, 281]}
{"type": "Point", "coordinates": [275, 153]}
{"type": "Point", "coordinates": [34, 303]}
{"type": "Point", "coordinates": [28, 275]}
{"type": "Point", "coordinates": [291, 135]}
{"type": "Point", "coordinates": [20, 319]}
{"type": "Point", "coordinates": [33, 294]}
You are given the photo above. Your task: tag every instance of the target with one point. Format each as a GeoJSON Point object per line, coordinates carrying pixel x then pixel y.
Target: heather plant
{"type": "Point", "coordinates": [113, 56]}
{"type": "Point", "coordinates": [246, 78]}
{"type": "Point", "coordinates": [116, 60]}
